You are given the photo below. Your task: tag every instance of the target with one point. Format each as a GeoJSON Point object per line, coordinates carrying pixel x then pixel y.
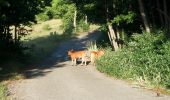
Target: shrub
{"type": "Point", "coordinates": [42, 17]}
{"type": "Point", "coordinates": [146, 57]}
{"type": "Point", "coordinates": [82, 26]}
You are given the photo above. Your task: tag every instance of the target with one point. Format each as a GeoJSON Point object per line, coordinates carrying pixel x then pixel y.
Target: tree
{"type": "Point", "coordinates": [160, 15]}
{"type": "Point", "coordinates": [124, 16]}
{"type": "Point", "coordinates": [17, 13]}
{"type": "Point", "coordinates": [144, 17]}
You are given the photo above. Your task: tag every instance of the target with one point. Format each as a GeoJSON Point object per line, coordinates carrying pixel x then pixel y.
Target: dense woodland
{"type": "Point", "coordinates": [138, 30]}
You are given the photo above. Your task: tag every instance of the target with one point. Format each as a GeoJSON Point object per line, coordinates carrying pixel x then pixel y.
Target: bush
{"type": "Point", "coordinates": [42, 17]}
{"type": "Point", "coordinates": [145, 58]}
{"type": "Point", "coordinates": [82, 26]}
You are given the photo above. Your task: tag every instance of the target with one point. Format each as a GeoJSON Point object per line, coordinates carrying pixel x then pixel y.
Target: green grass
{"type": "Point", "coordinates": [10, 71]}
{"type": "Point", "coordinates": [2, 92]}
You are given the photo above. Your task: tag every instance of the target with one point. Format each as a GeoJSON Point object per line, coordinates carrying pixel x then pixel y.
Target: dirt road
{"type": "Point", "coordinates": [56, 79]}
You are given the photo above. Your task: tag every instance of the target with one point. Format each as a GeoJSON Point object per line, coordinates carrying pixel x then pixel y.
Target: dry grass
{"type": "Point", "coordinates": [92, 28]}
{"type": "Point", "coordinates": [38, 30]}
{"type": "Point", "coordinates": [44, 39]}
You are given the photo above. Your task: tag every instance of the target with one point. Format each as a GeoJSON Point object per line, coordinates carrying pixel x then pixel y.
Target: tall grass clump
{"type": "Point", "coordinates": [145, 58]}
{"type": "Point", "coordinates": [2, 92]}
{"type": "Point", "coordinates": [92, 46]}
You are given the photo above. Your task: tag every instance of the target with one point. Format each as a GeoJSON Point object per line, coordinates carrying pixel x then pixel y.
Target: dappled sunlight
{"type": "Point", "coordinates": [39, 29]}
{"type": "Point", "coordinates": [41, 47]}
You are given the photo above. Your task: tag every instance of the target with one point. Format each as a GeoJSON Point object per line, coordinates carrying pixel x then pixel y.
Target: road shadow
{"type": "Point", "coordinates": [57, 59]}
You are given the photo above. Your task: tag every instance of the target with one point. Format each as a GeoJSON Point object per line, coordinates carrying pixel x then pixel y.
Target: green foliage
{"type": "Point", "coordinates": [104, 39]}
{"type": "Point", "coordinates": [103, 28]}
{"type": "Point", "coordinates": [82, 26]}
{"type": "Point", "coordinates": [2, 92]}
{"type": "Point", "coordinates": [15, 13]}
{"type": "Point", "coordinates": [129, 18]}
{"type": "Point", "coordinates": [47, 14]}
{"type": "Point", "coordinates": [42, 17]}
{"type": "Point", "coordinates": [89, 6]}
{"type": "Point", "coordinates": [145, 58]}
{"type": "Point", "coordinates": [64, 10]}
{"type": "Point", "coordinates": [69, 14]}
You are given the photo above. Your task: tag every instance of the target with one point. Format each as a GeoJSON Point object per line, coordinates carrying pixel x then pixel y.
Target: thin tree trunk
{"type": "Point", "coordinates": [167, 19]}
{"type": "Point", "coordinates": [75, 17]}
{"type": "Point", "coordinates": [5, 30]}
{"type": "Point", "coordinates": [15, 34]}
{"type": "Point", "coordinates": [153, 18]}
{"type": "Point", "coordinates": [106, 11]}
{"type": "Point", "coordinates": [110, 38]}
{"type": "Point", "coordinates": [118, 38]}
{"type": "Point", "coordinates": [144, 18]}
{"type": "Point", "coordinates": [7, 34]}
{"type": "Point", "coordinates": [117, 33]}
{"type": "Point", "coordinates": [85, 19]}
{"type": "Point", "coordinates": [165, 11]}
{"type": "Point", "coordinates": [113, 37]}
{"type": "Point", "coordinates": [160, 15]}
{"type": "Point", "coordinates": [165, 15]}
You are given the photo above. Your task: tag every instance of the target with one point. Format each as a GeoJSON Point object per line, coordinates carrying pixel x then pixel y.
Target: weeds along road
{"type": "Point", "coordinates": [56, 79]}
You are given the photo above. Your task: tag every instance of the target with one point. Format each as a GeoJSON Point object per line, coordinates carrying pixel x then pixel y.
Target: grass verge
{"type": "Point", "coordinates": [144, 60]}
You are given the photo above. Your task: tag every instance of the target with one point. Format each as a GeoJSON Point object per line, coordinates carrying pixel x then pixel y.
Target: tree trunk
{"type": "Point", "coordinates": [106, 11]}
{"type": "Point", "coordinates": [110, 38]}
{"type": "Point", "coordinates": [160, 15]}
{"type": "Point", "coordinates": [113, 38]}
{"type": "Point", "coordinates": [144, 18]}
{"type": "Point", "coordinates": [167, 20]}
{"type": "Point", "coordinates": [118, 38]}
{"type": "Point", "coordinates": [165, 17]}
{"type": "Point", "coordinates": [85, 19]}
{"type": "Point", "coordinates": [75, 17]}
{"type": "Point", "coordinates": [117, 33]}
{"type": "Point", "coordinates": [15, 34]}
{"type": "Point", "coordinates": [153, 19]}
